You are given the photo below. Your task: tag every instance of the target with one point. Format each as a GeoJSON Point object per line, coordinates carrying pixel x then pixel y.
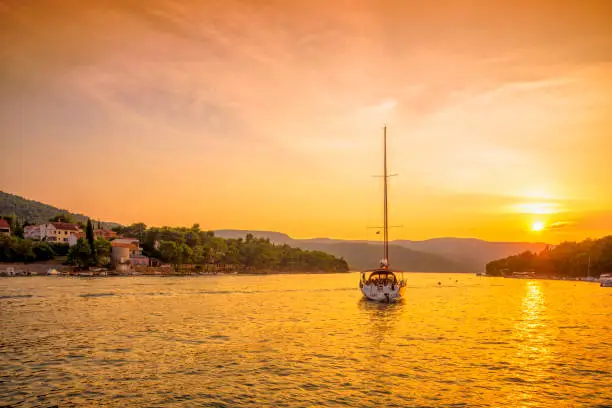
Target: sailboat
{"type": "Point", "coordinates": [382, 284]}
{"type": "Point", "coordinates": [590, 278]}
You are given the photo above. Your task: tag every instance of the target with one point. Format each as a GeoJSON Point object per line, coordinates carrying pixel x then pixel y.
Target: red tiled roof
{"type": "Point", "coordinates": [4, 224]}
{"type": "Point", "coordinates": [65, 226]}
{"type": "Point", "coordinates": [123, 245]}
{"type": "Point", "coordinates": [105, 232]}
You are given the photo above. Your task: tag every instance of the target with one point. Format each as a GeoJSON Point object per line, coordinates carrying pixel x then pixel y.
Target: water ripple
{"type": "Point", "coordinates": [302, 340]}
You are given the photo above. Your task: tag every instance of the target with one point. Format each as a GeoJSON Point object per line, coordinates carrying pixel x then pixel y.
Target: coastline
{"type": "Point", "coordinates": [43, 268]}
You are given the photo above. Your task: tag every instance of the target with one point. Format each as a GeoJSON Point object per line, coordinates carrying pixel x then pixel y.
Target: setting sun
{"type": "Point", "coordinates": [537, 226]}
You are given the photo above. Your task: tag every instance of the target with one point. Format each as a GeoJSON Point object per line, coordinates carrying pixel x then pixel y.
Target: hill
{"type": "Point", "coordinates": [36, 212]}
{"type": "Point", "coordinates": [367, 255]}
{"type": "Point", "coordinates": [437, 254]}
{"type": "Point", "coordinates": [275, 237]}
{"type": "Point", "coordinates": [588, 258]}
{"type": "Point", "coordinates": [472, 252]}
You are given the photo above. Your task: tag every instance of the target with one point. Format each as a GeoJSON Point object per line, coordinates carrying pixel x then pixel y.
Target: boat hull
{"type": "Point", "coordinates": [383, 293]}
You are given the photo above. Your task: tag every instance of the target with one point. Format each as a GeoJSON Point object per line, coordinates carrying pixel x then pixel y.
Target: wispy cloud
{"type": "Point", "coordinates": [494, 100]}
{"type": "Point", "coordinates": [560, 224]}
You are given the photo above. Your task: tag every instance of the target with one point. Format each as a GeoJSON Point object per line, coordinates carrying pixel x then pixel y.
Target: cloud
{"type": "Point", "coordinates": [488, 101]}
{"type": "Point", "coordinates": [560, 224]}
{"type": "Point", "coordinates": [538, 208]}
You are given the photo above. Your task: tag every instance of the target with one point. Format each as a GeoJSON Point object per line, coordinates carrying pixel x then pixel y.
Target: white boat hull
{"type": "Point", "coordinates": [383, 293]}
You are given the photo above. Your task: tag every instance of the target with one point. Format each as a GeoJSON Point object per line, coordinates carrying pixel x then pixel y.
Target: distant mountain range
{"type": "Point", "coordinates": [432, 255]}
{"type": "Point", "coordinates": [35, 212]}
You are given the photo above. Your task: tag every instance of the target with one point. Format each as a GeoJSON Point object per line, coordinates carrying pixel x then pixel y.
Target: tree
{"type": "Point", "coordinates": [568, 259]}
{"type": "Point", "coordinates": [192, 245]}
{"type": "Point", "coordinates": [184, 253]}
{"type": "Point", "coordinates": [63, 217]}
{"type": "Point", "coordinates": [232, 253]}
{"type": "Point", "coordinates": [24, 249]}
{"type": "Point", "coordinates": [89, 234]}
{"type": "Point", "coordinates": [17, 228]}
{"type": "Point", "coordinates": [168, 251]}
{"type": "Point", "coordinates": [136, 230]}
{"type": "Point", "coordinates": [103, 251]}
{"type": "Point", "coordinates": [80, 254]}
{"type": "Point", "coordinates": [43, 251]}
{"type": "Point", "coordinates": [7, 250]}
{"type": "Point", "coordinates": [192, 238]}
{"type": "Point", "coordinates": [60, 248]}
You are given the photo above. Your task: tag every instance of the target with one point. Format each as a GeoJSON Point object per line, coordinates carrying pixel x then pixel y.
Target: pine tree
{"type": "Point", "coordinates": [18, 229]}
{"type": "Point", "coordinates": [89, 234]}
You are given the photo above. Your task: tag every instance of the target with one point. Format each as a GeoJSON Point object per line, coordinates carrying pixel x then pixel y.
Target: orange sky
{"type": "Point", "coordinates": [269, 114]}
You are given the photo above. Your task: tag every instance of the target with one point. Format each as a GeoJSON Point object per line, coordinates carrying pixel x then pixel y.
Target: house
{"type": "Point", "coordinates": [58, 231]}
{"type": "Point", "coordinates": [104, 233]}
{"type": "Point", "coordinates": [127, 249]}
{"type": "Point", "coordinates": [74, 237]}
{"type": "Point", "coordinates": [133, 244]}
{"type": "Point", "coordinates": [99, 233]}
{"type": "Point", "coordinates": [5, 228]}
{"type": "Point", "coordinates": [139, 260]}
{"type": "Point", "coordinates": [32, 232]}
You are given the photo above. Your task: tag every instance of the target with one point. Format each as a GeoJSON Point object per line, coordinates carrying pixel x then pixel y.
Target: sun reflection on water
{"type": "Point", "coordinates": [533, 338]}
{"type": "Point", "coordinates": [303, 340]}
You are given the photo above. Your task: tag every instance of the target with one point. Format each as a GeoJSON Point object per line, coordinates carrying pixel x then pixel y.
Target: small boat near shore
{"type": "Point", "coordinates": [605, 280]}
{"type": "Point", "coordinates": [382, 284]}
{"type": "Point", "coordinates": [521, 275]}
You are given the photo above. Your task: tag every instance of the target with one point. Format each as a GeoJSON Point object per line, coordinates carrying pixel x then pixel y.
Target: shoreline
{"type": "Point", "coordinates": [42, 269]}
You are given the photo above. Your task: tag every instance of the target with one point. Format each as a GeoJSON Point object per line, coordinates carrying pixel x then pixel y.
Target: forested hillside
{"type": "Point", "coordinates": [34, 212]}
{"type": "Point", "coordinates": [568, 259]}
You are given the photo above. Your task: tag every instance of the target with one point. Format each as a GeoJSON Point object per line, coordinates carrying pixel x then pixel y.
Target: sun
{"type": "Point", "coordinates": [537, 226]}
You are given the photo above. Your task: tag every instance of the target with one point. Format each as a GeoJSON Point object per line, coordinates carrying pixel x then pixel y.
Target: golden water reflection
{"type": "Point", "coordinates": [532, 335]}
{"type": "Point", "coordinates": [303, 340]}
{"type": "Point", "coordinates": [382, 318]}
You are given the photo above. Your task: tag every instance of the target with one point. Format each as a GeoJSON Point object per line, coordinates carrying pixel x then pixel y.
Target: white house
{"type": "Point", "coordinates": [32, 231]}
{"type": "Point", "coordinates": [74, 237]}
{"type": "Point", "coordinates": [58, 231]}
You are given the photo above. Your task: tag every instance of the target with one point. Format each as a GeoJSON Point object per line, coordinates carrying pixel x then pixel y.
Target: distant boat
{"type": "Point", "coordinates": [382, 284]}
{"type": "Point", "coordinates": [85, 274]}
{"type": "Point", "coordinates": [590, 278]}
{"type": "Point", "coordinates": [521, 275]}
{"type": "Point", "coordinates": [605, 280]}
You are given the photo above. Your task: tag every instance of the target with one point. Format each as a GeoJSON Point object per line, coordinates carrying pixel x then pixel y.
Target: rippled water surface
{"type": "Point", "coordinates": [303, 340]}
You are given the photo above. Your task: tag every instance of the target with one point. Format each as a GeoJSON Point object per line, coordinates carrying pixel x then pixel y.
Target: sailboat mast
{"type": "Point", "coordinates": [589, 267]}
{"type": "Point", "coordinates": [386, 211]}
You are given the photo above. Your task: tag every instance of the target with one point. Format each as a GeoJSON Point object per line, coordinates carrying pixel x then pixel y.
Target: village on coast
{"type": "Point", "coordinates": [62, 246]}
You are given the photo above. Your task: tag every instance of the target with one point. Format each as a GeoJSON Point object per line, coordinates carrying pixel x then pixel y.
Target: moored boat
{"type": "Point", "coordinates": [382, 284]}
